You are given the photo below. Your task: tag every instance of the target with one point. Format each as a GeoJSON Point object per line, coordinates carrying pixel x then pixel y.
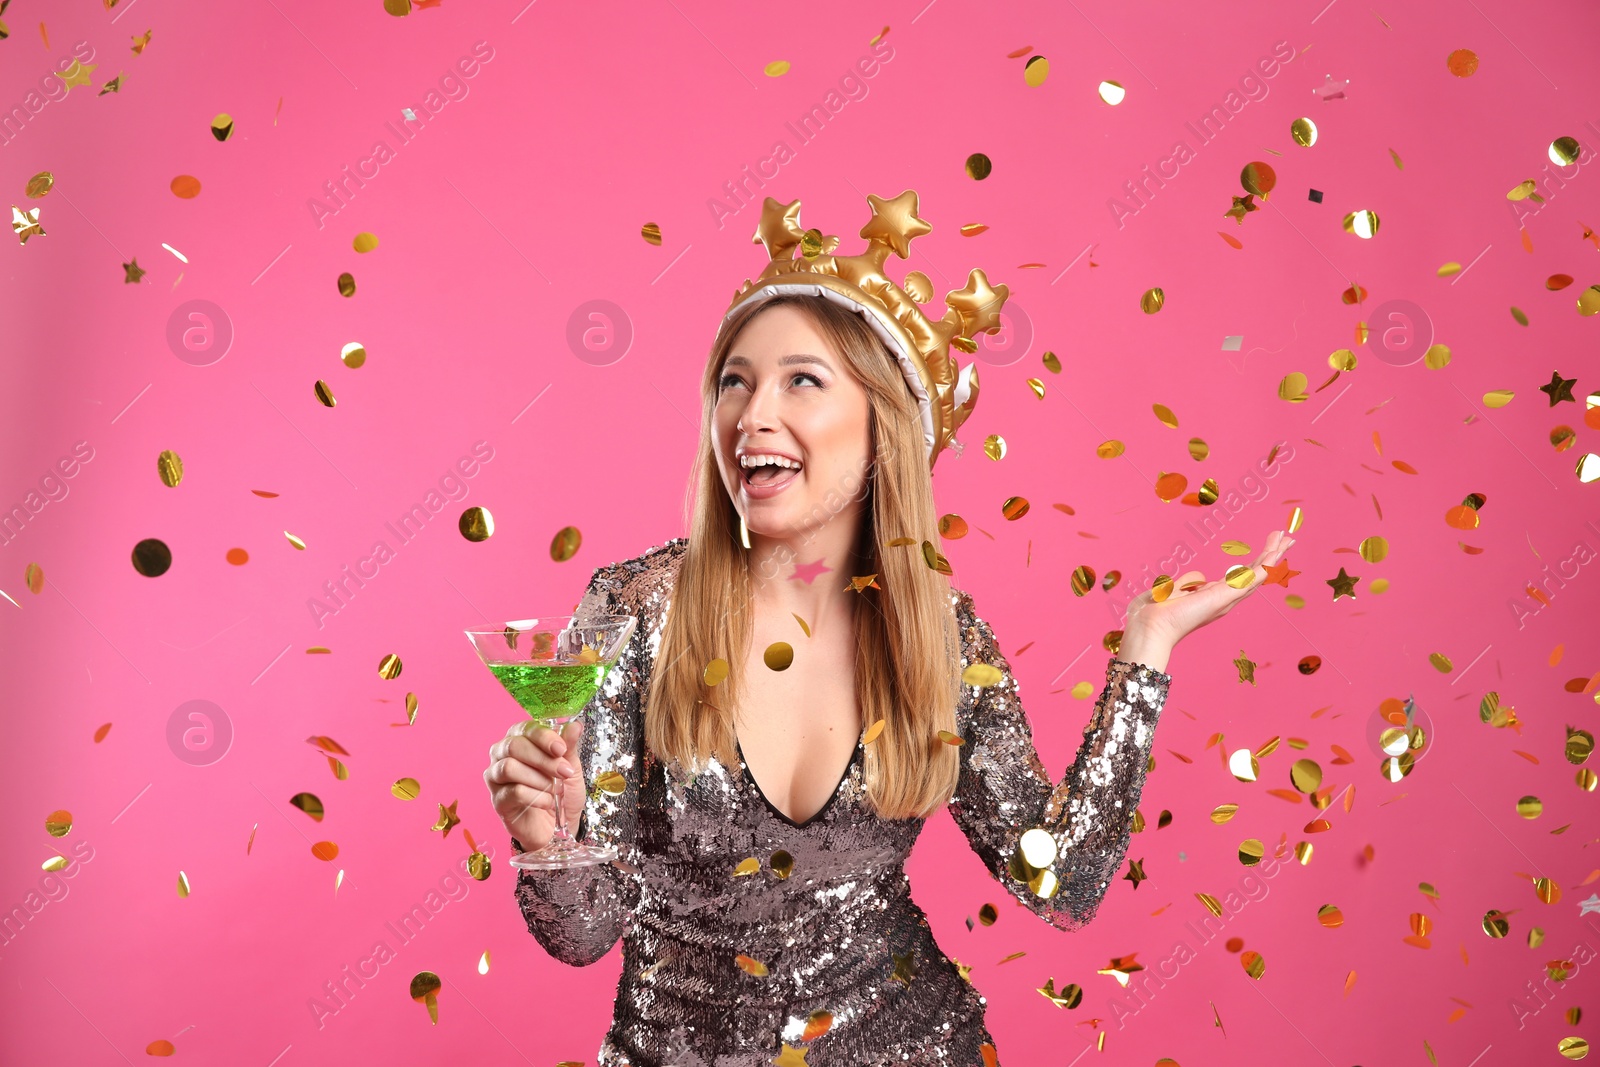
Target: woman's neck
{"type": "Point", "coordinates": [809, 575]}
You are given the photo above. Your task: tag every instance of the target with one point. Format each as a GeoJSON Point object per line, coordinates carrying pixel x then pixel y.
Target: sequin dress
{"type": "Point", "coordinates": [841, 933]}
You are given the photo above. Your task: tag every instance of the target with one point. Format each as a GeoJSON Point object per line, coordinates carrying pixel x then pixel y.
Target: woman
{"type": "Point", "coordinates": [761, 898]}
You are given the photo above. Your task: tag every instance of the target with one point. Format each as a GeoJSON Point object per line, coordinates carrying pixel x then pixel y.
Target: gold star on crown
{"type": "Point", "coordinates": [803, 261]}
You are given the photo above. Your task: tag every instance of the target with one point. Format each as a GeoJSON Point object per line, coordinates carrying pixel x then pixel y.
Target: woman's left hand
{"type": "Point", "coordinates": [1154, 628]}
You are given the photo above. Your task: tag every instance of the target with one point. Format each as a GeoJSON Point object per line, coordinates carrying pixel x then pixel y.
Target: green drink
{"type": "Point", "coordinates": [550, 691]}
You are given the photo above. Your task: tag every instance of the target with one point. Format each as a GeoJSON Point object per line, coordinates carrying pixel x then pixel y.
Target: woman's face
{"type": "Point", "coordinates": [792, 427]}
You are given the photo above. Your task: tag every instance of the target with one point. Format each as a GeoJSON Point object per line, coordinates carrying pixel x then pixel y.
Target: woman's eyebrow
{"type": "Point", "coordinates": [787, 361]}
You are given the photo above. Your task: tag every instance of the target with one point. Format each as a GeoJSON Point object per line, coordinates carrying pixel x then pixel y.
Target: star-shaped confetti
{"type": "Point", "coordinates": [132, 271]}
{"type": "Point", "coordinates": [112, 86]}
{"type": "Point", "coordinates": [1135, 871]}
{"type": "Point", "coordinates": [964, 969]}
{"type": "Point", "coordinates": [447, 818]}
{"type": "Point", "coordinates": [864, 581]}
{"type": "Point", "coordinates": [1070, 995]}
{"type": "Point", "coordinates": [807, 572]}
{"type": "Point", "coordinates": [4, 33]}
{"type": "Point", "coordinates": [1559, 388]}
{"type": "Point", "coordinates": [1242, 205]}
{"type": "Point", "coordinates": [1279, 573]}
{"type": "Point", "coordinates": [1592, 904]}
{"type": "Point", "coordinates": [905, 967]}
{"type": "Point", "coordinates": [1343, 584]}
{"type": "Point", "coordinates": [1122, 966]}
{"type": "Point", "coordinates": [779, 228]}
{"type": "Point", "coordinates": [791, 1057]}
{"type": "Point", "coordinates": [894, 223]}
{"type": "Point", "coordinates": [77, 74]}
{"type": "Point", "coordinates": [141, 43]}
{"type": "Point", "coordinates": [25, 224]}
{"type": "Point", "coordinates": [1247, 668]}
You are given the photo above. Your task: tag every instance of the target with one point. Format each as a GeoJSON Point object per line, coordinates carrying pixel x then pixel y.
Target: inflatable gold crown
{"type": "Point", "coordinates": [945, 394]}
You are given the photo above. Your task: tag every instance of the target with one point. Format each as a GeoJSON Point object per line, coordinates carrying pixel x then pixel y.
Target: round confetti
{"type": "Point", "coordinates": [982, 675]}
{"type": "Point", "coordinates": [162, 1047]}
{"type": "Point", "coordinates": [33, 578]}
{"type": "Point", "coordinates": [309, 803]}
{"type": "Point", "coordinates": [365, 242]}
{"type": "Point", "coordinates": [40, 184]}
{"type": "Point", "coordinates": [1374, 549]}
{"type": "Point", "coordinates": [186, 186]}
{"type": "Point", "coordinates": [1250, 851]}
{"type": "Point", "coordinates": [476, 524]}
{"type": "Point", "coordinates": [1463, 62]}
{"type": "Point", "coordinates": [777, 68]}
{"type": "Point", "coordinates": [994, 446]}
{"type": "Point", "coordinates": [169, 465]}
{"type": "Point", "coordinates": [778, 656]}
{"type": "Point", "coordinates": [716, 672]}
{"type": "Point", "coordinates": [151, 557]}
{"type": "Point", "coordinates": [222, 126]}
{"type": "Point", "coordinates": [238, 557]}
{"type": "Point", "coordinates": [1036, 71]}
{"type": "Point", "coordinates": [353, 355]}
{"type": "Point", "coordinates": [347, 284]}
{"type": "Point", "coordinates": [406, 789]}
{"type": "Point", "coordinates": [389, 667]}
{"type": "Point", "coordinates": [565, 544]}
{"type": "Point", "coordinates": [58, 823]}
{"type": "Point", "coordinates": [1112, 92]}
{"type": "Point", "coordinates": [651, 232]}
{"type": "Point", "coordinates": [324, 394]}
{"type": "Point", "coordinates": [978, 166]}
{"type": "Point", "coordinates": [1014, 508]}
{"type": "Point", "coordinates": [325, 850]}
{"type": "Point", "coordinates": [952, 527]}
{"type": "Point", "coordinates": [1152, 300]}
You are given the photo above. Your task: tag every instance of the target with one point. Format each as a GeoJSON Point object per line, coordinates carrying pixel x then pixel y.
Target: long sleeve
{"type": "Point", "coordinates": [1003, 790]}
{"type": "Point", "coordinates": [578, 914]}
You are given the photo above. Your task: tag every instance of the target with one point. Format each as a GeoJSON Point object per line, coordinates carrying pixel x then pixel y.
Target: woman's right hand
{"type": "Point", "coordinates": [523, 766]}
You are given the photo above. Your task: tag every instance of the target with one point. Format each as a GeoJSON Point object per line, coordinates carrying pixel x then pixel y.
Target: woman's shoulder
{"type": "Point", "coordinates": [978, 642]}
{"type": "Point", "coordinates": [636, 582]}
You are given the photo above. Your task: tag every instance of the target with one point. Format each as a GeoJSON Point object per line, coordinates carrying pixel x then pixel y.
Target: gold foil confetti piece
{"type": "Point", "coordinates": [751, 966]}
{"type": "Point", "coordinates": [476, 524]}
{"type": "Point", "coordinates": [1495, 924]}
{"type": "Point", "coordinates": [896, 542]}
{"type": "Point", "coordinates": [33, 578]}
{"type": "Point", "coordinates": [222, 126]}
{"type": "Point", "coordinates": [58, 823]}
{"type": "Point", "coordinates": [747, 866]}
{"type": "Point", "coordinates": [448, 819]}
{"type": "Point", "coordinates": [611, 782]}
{"type": "Point", "coordinates": [1498, 398]}
{"type": "Point", "coordinates": [1441, 662]}
{"type": "Point", "coordinates": [1374, 549]}
{"type": "Point", "coordinates": [1547, 890]}
{"type": "Point", "coordinates": [978, 166]}
{"type": "Point", "coordinates": [1223, 812]}
{"type": "Point", "coordinates": [1573, 1048]}
{"type": "Point", "coordinates": [298, 544]}
{"type": "Point", "coordinates": [1580, 743]}
{"type": "Point", "coordinates": [565, 544]}
{"type": "Point", "coordinates": [478, 866]}
{"type": "Point", "coordinates": [161, 1047]}
{"type": "Point", "coordinates": [1082, 580]}
{"type": "Point", "coordinates": [1530, 807]}
{"type": "Point", "coordinates": [347, 284]}
{"type": "Point", "coordinates": [804, 626]}
{"type": "Point", "coordinates": [406, 789]}
{"type": "Point", "coordinates": [776, 69]}
{"type": "Point", "coordinates": [1014, 508]}
{"type": "Point", "coordinates": [1052, 363]}
{"type": "Point", "coordinates": [1235, 548]}
{"type": "Point", "coordinates": [1208, 493]}
{"type": "Point", "coordinates": [483, 962]}
{"type": "Point", "coordinates": [988, 915]}
{"type": "Point", "coordinates": [352, 355]}
{"type": "Point", "coordinates": [981, 675]}
{"type": "Point", "coordinates": [1305, 775]}
{"type": "Point", "coordinates": [1037, 386]}
{"type": "Point", "coordinates": [185, 186]}
{"type": "Point", "coordinates": [1213, 905]}
{"type": "Point", "coordinates": [1246, 668]}
{"type": "Point", "coordinates": [651, 232]}
{"type": "Point", "coordinates": [1242, 764]}
{"type": "Point", "coordinates": [716, 672]}
{"type": "Point", "coordinates": [151, 557]}
{"type": "Point", "coordinates": [324, 394]}
{"type": "Point", "coordinates": [54, 864]}
{"type": "Point", "coordinates": [425, 986]}
{"type": "Point", "coordinates": [778, 656]}
{"type": "Point", "coordinates": [1240, 576]}
{"type": "Point", "coordinates": [994, 446]}
{"type": "Point", "coordinates": [183, 884]}
{"type": "Point", "coordinates": [873, 731]}
{"type": "Point", "coordinates": [340, 771]}
{"type": "Point", "coordinates": [1343, 584]}
{"type": "Point", "coordinates": [934, 558]}
{"type": "Point", "coordinates": [326, 851]}
{"type": "Point", "coordinates": [953, 740]}
{"type": "Point", "coordinates": [1035, 71]}
{"type": "Point", "coordinates": [1292, 387]}
{"type": "Point", "coordinates": [1070, 995]}
{"type": "Point", "coordinates": [1588, 301]}
{"type": "Point", "coordinates": [1586, 779]}
{"type": "Point", "coordinates": [1110, 449]}
{"type": "Point", "coordinates": [1111, 92]}
{"type": "Point", "coordinates": [1253, 963]}
{"type": "Point", "coordinates": [308, 803]}
{"type": "Point", "coordinates": [389, 667]}
{"type": "Point", "coordinates": [169, 466]}
{"type": "Point", "coordinates": [40, 185]}
{"type": "Point", "coordinates": [25, 224]}
{"type": "Point", "coordinates": [952, 527]}
{"type": "Point", "coordinates": [863, 582]}
{"type": "Point", "coordinates": [248, 845]}
{"type": "Point", "coordinates": [364, 242]}
{"type": "Point", "coordinates": [1165, 415]}
{"type": "Point", "coordinates": [1330, 916]}
{"type": "Point", "coordinates": [1250, 851]}
{"type": "Point", "coordinates": [326, 744]}
{"type": "Point", "coordinates": [781, 863]}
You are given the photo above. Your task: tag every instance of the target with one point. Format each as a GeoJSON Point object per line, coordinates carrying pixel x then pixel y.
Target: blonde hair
{"type": "Point", "coordinates": [906, 643]}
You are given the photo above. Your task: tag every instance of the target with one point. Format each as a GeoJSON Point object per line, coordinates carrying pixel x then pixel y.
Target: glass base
{"type": "Point", "coordinates": [558, 857]}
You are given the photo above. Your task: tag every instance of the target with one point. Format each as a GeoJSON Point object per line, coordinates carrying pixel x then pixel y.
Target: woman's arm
{"type": "Point", "coordinates": [1003, 791]}
{"type": "Point", "coordinates": [578, 914]}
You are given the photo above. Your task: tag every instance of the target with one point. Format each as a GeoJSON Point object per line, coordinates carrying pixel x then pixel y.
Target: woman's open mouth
{"type": "Point", "coordinates": [766, 473]}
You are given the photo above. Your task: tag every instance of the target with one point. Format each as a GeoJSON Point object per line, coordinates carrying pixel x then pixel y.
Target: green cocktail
{"type": "Point", "coordinates": [553, 666]}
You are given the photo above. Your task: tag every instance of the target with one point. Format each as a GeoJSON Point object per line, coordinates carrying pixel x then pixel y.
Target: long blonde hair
{"type": "Point", "coordinates": [906, 643]}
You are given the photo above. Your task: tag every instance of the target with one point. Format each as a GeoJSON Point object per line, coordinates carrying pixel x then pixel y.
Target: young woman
{"type": "Point", "coordinates": [761, 898]}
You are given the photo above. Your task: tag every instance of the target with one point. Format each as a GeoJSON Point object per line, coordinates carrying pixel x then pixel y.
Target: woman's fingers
{"type": "Point", "coordinates": [537, 751]}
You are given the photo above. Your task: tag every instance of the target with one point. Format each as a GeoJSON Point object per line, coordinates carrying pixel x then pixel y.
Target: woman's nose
{"type": "Point", "coordinates": [760, 414]}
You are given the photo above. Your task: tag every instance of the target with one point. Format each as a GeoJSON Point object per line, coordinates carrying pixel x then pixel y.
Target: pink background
{"type": "Point", "coordinates": [524, 199]}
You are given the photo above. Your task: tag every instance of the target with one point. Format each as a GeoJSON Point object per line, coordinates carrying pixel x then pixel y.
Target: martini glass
{"type": "Point", "coordinates": [553, 666]}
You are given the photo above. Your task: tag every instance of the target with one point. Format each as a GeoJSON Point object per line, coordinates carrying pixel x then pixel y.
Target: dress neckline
{"type": "Point", "coordinates": [828, 804]}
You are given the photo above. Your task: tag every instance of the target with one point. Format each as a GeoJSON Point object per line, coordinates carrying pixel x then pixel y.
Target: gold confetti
{"type": "Point", "coordinates": [952, 527]}
{"type": "Point", "coordinates": [1082, 580]}
{"type": "Point", "coordinates": [1164, 413]}
{"type": "Point", "coordinates": [353, 355]}
{"type": "Point", "coordinates": [751, 966]}
{"type": "Point", "coordinates": [1441, 662]}
{"type": "Point", "coordinates": [1573, 1048]}
{"type": "Point", "coordinates": [778, 656]}
{"type": "Point", "coordinates": [953, 740]}
{"type": "Point", "coordinates": [295, 541]}
{"type": "Point", "coordinates": [565, 543]}
{"type": "Point", "coordinates": [309, 803]}
{"type": "Point", "coordinates": [806, 629]}
{"type": "Point", "coordinates": [1014, 508]}
{"type": "Point", "coordinates": [1246, 668]}
{"type": "Point", "coordinates": [612, 782]}
{"type": "Point", "coordinates": [994, 446]}
{"type": "Point", "coordinates": [1252, 962]}
{"type": "Point", "coordinates": [476, 524]}
{"type": "Point", "coordinates": [1110, 449]}
{"type": "Point", "coordinates": [873, 731]}
{"type": "Point", "coordinates": [478, 866]}
{"type": "Point", "coordinates": [447, 818]}
{"type": "Point", "coordinates": [716, 672]}
{"type": "Point", "coordinates": [1293, 388]}
{"type": "Point", "coordinates": [981, 675]}
{"type": "Point", "coordinates": [365, 242]}
{"type": "Point", "coordinates": [347, 285]}
{"type": "Point", "coordinates": [151, 557]}
{"type": "Point", "coordinates": [425, 986]}
{"type": "Point", "coordinates": [389, 667]}
{"type": "Point", "coordinates": [777, 68]}
{"type": "Point", "coordinates": [58, 823]}
{"type": "Point", "coordinates": [1235, 548]}
{"type": "Point", "coordinates": [170, 468]}
{"type": "Point", "coordinates": [1037, 386]}
{"type": "Point", "coordinates": [978, 166]}
{"type": "Point", "coordinates": [651, 232]}
{"type": "Point", "coordinates": [1239, 576]}
{"type": "Point", "coordinates": [33, 578]}
{"type": "Point", "coordinates": [483, 962]}
{"type": "Point", "coordinates": [183, 884]}
{"type": "Point", "coordinates": [406, 789]}
{"type": "Point", "coordinates": [324, 394]}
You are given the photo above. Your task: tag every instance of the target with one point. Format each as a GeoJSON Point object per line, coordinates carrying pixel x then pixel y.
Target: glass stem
{"type": "Point", "coordinates": [561, 838]}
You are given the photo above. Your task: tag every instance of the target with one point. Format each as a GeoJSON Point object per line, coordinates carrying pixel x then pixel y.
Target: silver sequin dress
{"type": "Point", "coordinates": [841, 933]}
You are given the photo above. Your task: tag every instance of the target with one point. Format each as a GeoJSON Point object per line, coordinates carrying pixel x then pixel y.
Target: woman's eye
{"type": "Point", "coordinates": [803, 377]}
{"type": "Point", "coordinates": [729, 381]}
